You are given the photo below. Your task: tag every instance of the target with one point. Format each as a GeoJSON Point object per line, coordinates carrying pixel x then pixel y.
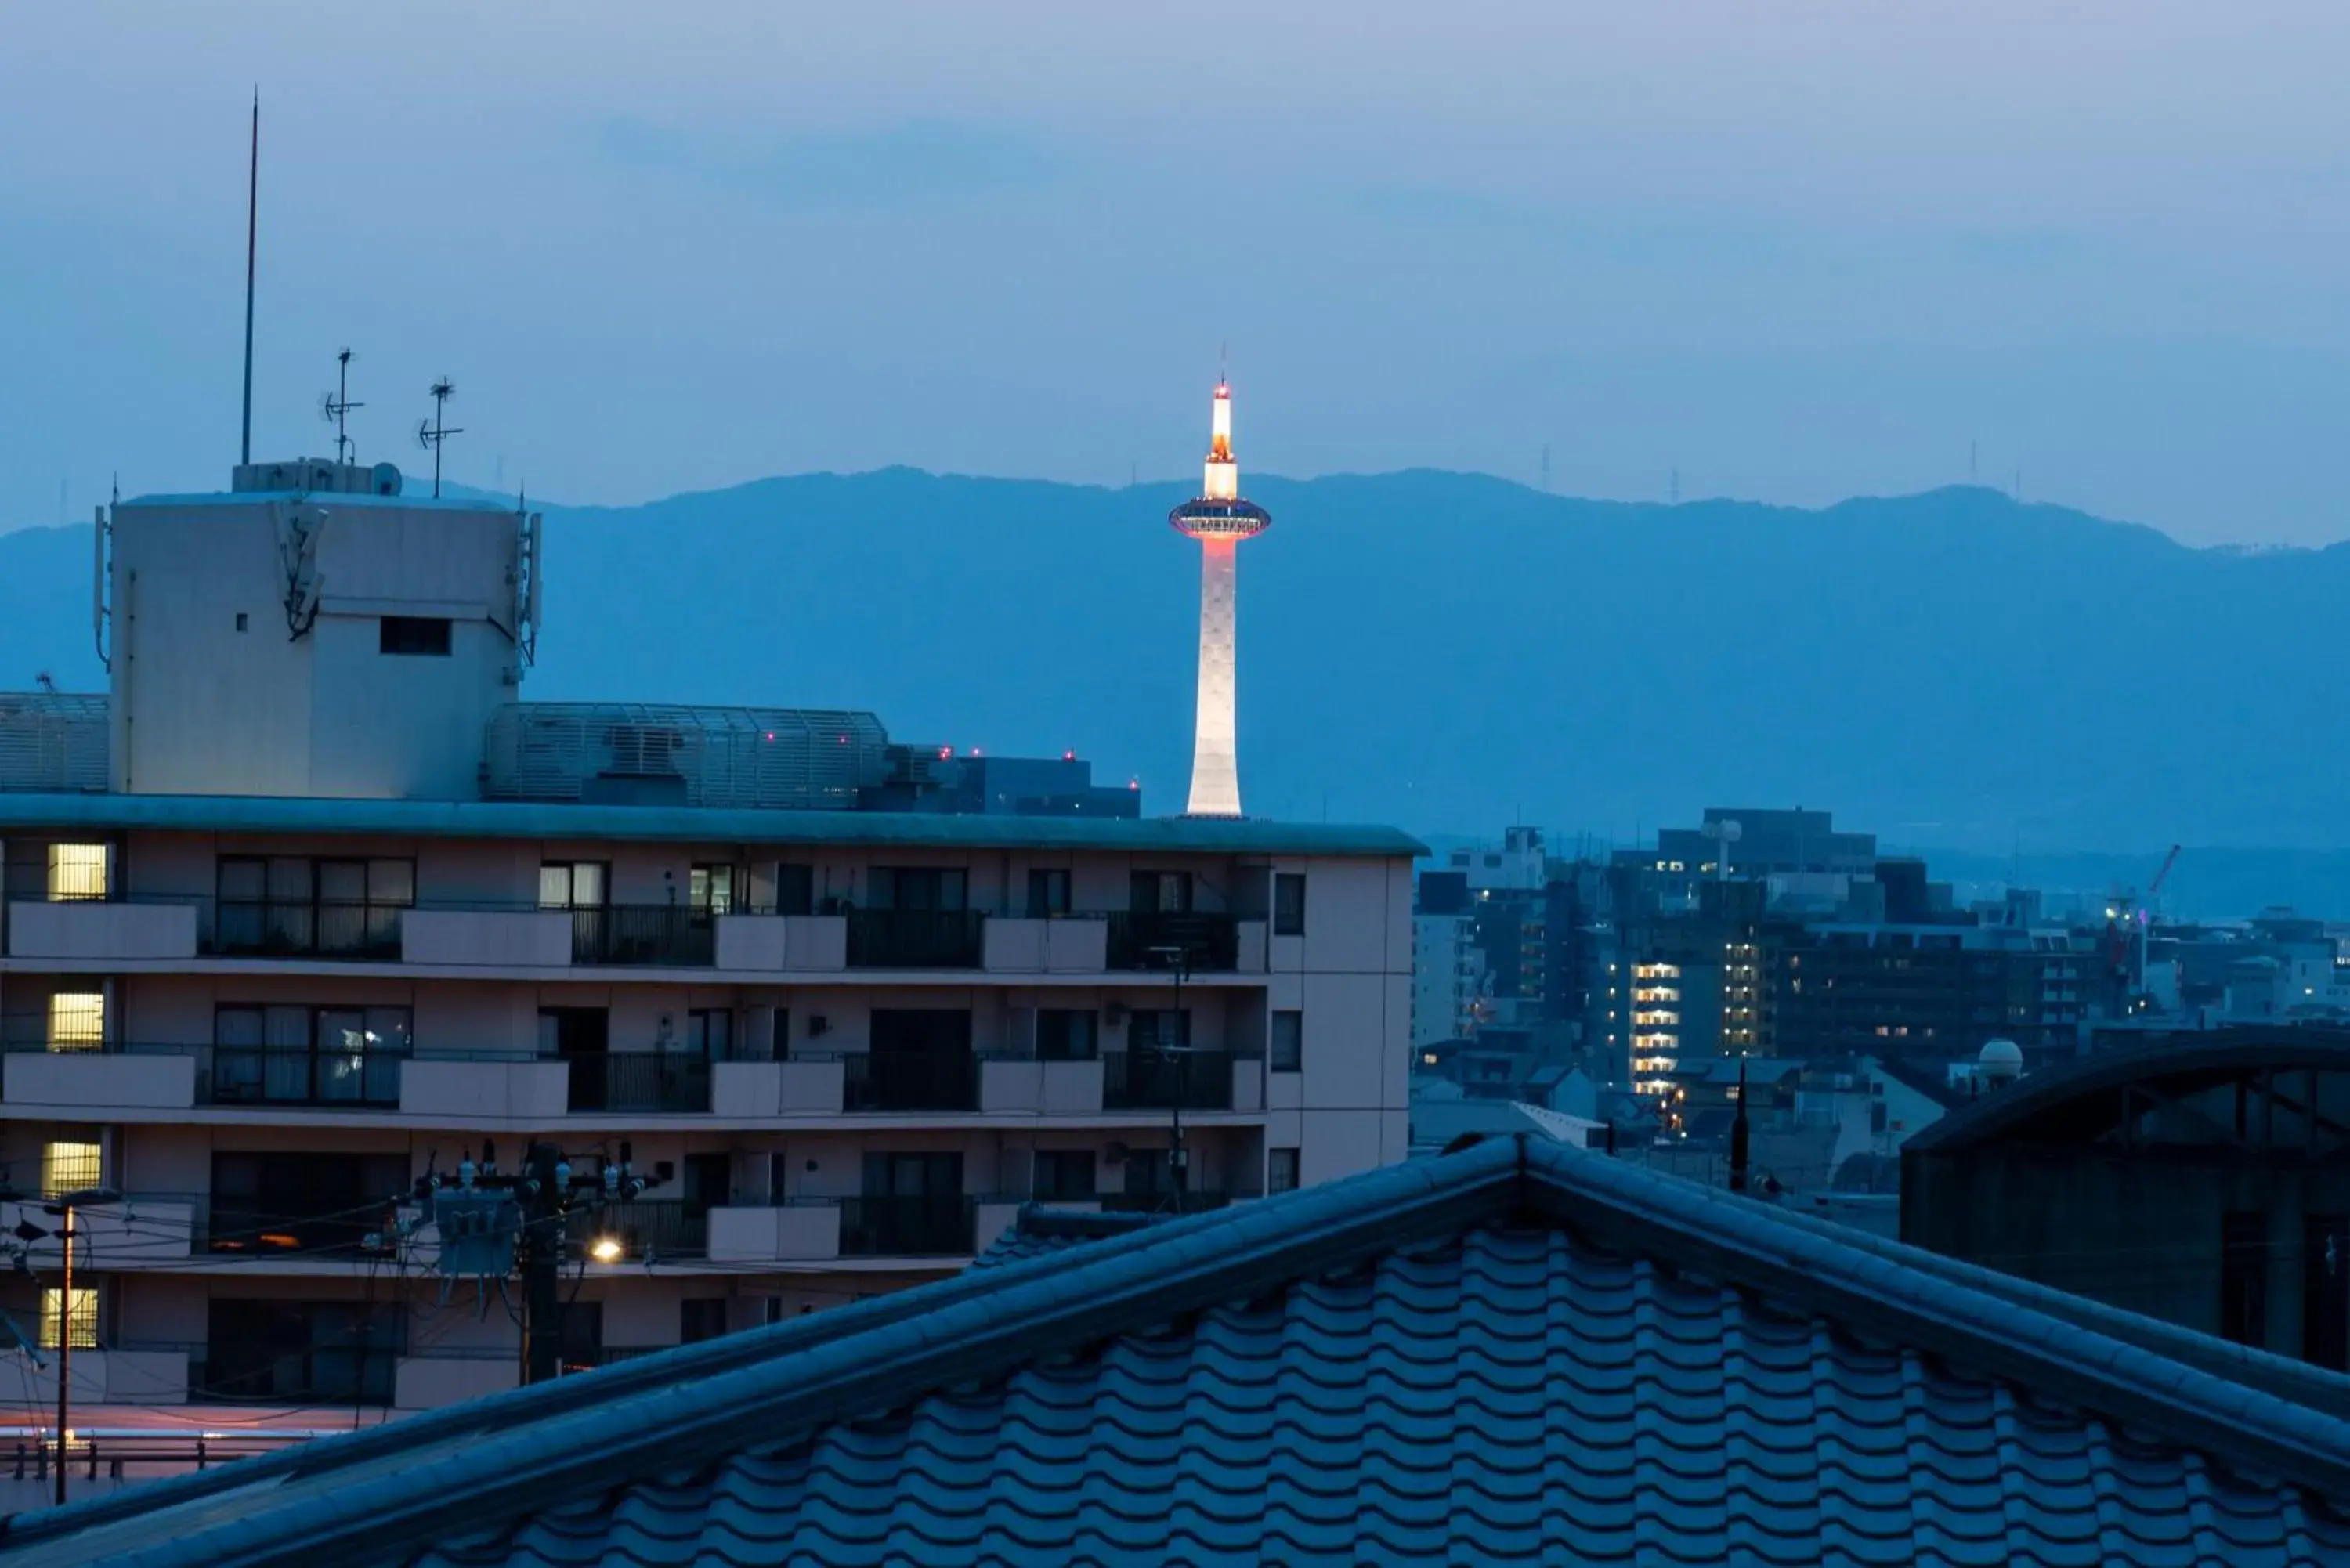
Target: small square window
{"type": "Point", "coordinates": [1289, 904]}
{"type": "Point", "coordinates": [243, 621]}
{"type": "Point", "coordinates": [78, 1021]}
{"type": "Point", "coordinates": [77, 871]}
{"type": "Point", "coordinates": [68, 1167]}
{"type": "Point", "coordinates": [1048, 892]}
{"type": "Point", "coordinates": [85, 1317]}
{"type": "Point", "coordinates": [1281, 1170]}
{"type": "Point", "coordinates": [426, 635]}
{"type": "Point", "coordinates": [1286, 1052]}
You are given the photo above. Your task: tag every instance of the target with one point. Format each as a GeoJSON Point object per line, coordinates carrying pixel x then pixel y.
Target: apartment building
{"type": "Point", "coordinates": [308, 905]}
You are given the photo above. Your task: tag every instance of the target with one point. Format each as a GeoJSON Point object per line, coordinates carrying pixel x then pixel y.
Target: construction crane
{"type": "Point", "coordinates": [2146, 909]}
{"type": "Point", "coordinates": [2128, 918]}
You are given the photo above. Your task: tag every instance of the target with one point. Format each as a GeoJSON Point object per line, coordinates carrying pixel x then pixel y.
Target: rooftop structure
{"type": "Point", "coordinates": [1220, 520]}
{"type": "Point", "coordinates": [1520, 1351]}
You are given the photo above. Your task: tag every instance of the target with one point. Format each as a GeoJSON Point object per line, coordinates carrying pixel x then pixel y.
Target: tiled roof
{"type": "Point", "coordinates": [678, 823]}
{"type": "Point", "coordinates": [1515, 1353]}
{"type": "Point", "coordinates": [1038, 1230]}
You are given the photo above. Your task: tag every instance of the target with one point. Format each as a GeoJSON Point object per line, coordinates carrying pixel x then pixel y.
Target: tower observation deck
{"type": "Point", "coordinates": [1220, 520]}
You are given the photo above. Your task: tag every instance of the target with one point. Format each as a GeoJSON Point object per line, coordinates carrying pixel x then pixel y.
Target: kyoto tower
{"type": "Point", "coordinates": [1220, 520]}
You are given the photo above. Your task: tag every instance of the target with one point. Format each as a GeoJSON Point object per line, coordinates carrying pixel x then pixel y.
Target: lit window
{"type": "Point", "coordinates": [68, 1167]}
{"type": "Point", "coordinates": [77, 871]}
{"type": "Point", "coordinates": [76, 1020]}
{"type": "Point", "coordinates": [85, 1317]}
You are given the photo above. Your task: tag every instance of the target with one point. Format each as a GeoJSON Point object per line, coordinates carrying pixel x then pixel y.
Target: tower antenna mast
{"type": "Point", "coordinates": [1220, 520]}
{"type": "Point", "coordinates": [252, 234]}
{"type": "Point", "coordinates": [333, 406]}
{"type": "Point", "coordinates": [431, 432]}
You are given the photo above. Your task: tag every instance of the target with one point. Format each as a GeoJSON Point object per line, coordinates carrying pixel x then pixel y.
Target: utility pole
{"type": "Point", "coordinates": [1179, 1158]}
{"type": "Point", "coordinates": [65, 1345]}
{"type": "Point", "coordinates": [491, 1225]}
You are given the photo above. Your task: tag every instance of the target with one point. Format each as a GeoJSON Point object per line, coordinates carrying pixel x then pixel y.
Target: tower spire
{"type": "Point", "coordinates": [251, 233]}
{"type": "Point", "coordinates": [1218, 519]}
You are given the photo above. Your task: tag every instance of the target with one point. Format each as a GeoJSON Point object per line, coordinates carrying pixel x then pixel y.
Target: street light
{"type": "Point", "coordinates": [606, 1250]}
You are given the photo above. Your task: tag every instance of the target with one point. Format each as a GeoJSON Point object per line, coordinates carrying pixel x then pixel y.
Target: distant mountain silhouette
{"type": "Point", "coordinates": [1449, 651]}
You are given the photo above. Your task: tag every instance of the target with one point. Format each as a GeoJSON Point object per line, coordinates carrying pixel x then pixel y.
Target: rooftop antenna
{"type": "Point", "coordinates": [1545, 483]}
{"type": "Point", "coordinates": [333, 406]}
{"type": "Point", "coordinates": [252, 231]}
{"type": "Point", "coordinates": [431, 432]}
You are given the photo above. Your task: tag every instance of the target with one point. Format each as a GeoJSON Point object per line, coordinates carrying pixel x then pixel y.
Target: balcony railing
{"type": "Point", "coordinates": [269, 1372]}
{"type": "Point", "coordinates": [1158, 1081]}
{"type": "Point", "coordinates": [288, 928]}
{"type": "Point", "coordinates": [672, 934]}
{"type": "Point", "coordinates": [241, 1075]}
{"type": "Point", "coordinates": [939, 1226]}
{"type": "Point", "coordinates": [666, 1081]}
{"type": "Point", "coordinates": [1208, 942]}
{"type": "Point", "coordinates": [914, 938]}
{"type": "Point", "coordinates": [646, 1229]}
{"type": "Point", "coordinates": [909, 1081]}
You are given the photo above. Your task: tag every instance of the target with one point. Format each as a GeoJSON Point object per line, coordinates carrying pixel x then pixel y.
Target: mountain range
{"type": "Point", "coordinates": [1449, 651]}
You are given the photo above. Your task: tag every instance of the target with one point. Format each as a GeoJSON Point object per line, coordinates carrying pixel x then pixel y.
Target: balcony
{"type": "Point", "coordinates": [1154, 1081]}
{"type": "Point", "coordinates": [96, 929]}
{"type": "Point", "coordinates": [504, 939]}
{"type": "Point", "coordinates": [1024, 1084]}
{"type": "Point", "coordinates": [648, 1229]}
{"type": "Point", "coordinates": [119, 1077]}
{"type": "Point", "coordinates": [1208, 942]}
{"type": "Point", "coordinates": [914, 938]}
{"type": "Point", "coordinates": [1070, 945]}
{"type": "Point", "coordinates": [487, 1087]}
{"type": "Point", "coordinates": [807, 1231]}
{"type": "Point", "coordinates": [242, 1076]}
{"type": "Point", "coordinates": [143, 1228]}
{"type": "Point", "coordinates": [669, 935]}
{"type": "Point", "coordinates": [282, 927]}
{"type": "Point", "coordinates": [909, 1081]}
{"type": "Point", "coordinates": [670, 1082]}
{"type": "Point", "coordinates": [923, 1226]}
{"type": "Point", "coordinates": [282, 1223]}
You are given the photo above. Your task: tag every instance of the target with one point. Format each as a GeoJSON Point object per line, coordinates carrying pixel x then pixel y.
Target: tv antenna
{"type": "Point", "coordinates": [1545, 468]}
{"type": "Point", "coordinates": [333, 406]}
{"type": "Point", "coordinates": [431, 432]}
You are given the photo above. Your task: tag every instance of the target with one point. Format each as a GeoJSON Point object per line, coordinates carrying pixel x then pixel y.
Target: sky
{"type": "Point", "coordinates": [1790, 251]}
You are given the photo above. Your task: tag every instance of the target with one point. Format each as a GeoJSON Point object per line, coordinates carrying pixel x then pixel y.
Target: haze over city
{"type": "Point", "coordinates": [1795, 254]}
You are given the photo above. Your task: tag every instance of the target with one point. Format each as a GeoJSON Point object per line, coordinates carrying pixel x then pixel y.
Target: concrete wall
{"type": "Point", "coordinates": [489, 938]}
{"type": "Point", "coordinates": [96, 931]}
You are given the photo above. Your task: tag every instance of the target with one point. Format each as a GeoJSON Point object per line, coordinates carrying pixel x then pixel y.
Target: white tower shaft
{"type": "Point", "coordinates": [1215, 750]}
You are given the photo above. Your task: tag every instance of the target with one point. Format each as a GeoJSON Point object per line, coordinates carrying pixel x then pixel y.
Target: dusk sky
{"type": "Point", "coordinates": [1796, 250]}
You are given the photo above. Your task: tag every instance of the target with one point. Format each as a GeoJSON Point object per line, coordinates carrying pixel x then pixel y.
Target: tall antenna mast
{"type": "Point", "coordinates": [333, 406]}
{"type": "Point", "coordinates": [1545, 467]}
{"type": "Point", "coordinates": [431, 432]}
{"type": "Point", "coordinates": [252, 232]}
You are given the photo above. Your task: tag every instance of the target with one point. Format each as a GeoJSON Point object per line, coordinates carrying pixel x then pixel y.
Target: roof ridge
{"type": "Point", "coordinates": [1881, 1288]}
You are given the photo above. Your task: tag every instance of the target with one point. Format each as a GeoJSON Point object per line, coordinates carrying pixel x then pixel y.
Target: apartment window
{"type": "Point", "coordinates": [794, 889]}
{"type": "Point", "coordinates": [77, 871]}
{"type": "Point", "coordinates": [1161, 892]}
{"type": "Point", "coordinates": [709, 1033]}
{"type": "Point", "coordinates": [83, 1318]}
{"type": "Point", "coordinates": [573, 885]}
{"type": "Point", "coordinates": [277, 1203]}
{"type": "Point", "coordinates": [1049, 893]}
{"type": "Point", "coordinates": [272, 1350]}
{"type": "Point", "coordinates": [426, 635]}
{"type": "Point", "coordinates": [701, 1318]}
{"type": "Point", "coordinates": [1150, 1029]}
{"type": "Point", "coordinates": [76, 1020]}
{"type": "Point", "coordinates": [1065, 1176]}
{"type": "Point", "coordinates": [1067, 1034]}
{"type": "Point", "coordinates": [917, 887]}
{"type": "Point", "coordinates": [779, 1043]}
{"type": "Point", "coordinates": [1286, 1050]}
{"type": "Point", "coordinates": [1281, 1170]}
{"type": "Point", "coordinates": [1289, 904]}
{"type": "Point", "coordinates": [289, 904]}
{"type": "Point", "coordinates": [68, 1167]}
{"type": "Point", "coordinates": [308, 1055]}
{"type": "Point", "coordinates": [709, 890]}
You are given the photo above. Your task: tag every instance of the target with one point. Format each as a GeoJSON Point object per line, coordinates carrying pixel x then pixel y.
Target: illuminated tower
{"type": "Point", "coordinates": [1220, 520]}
